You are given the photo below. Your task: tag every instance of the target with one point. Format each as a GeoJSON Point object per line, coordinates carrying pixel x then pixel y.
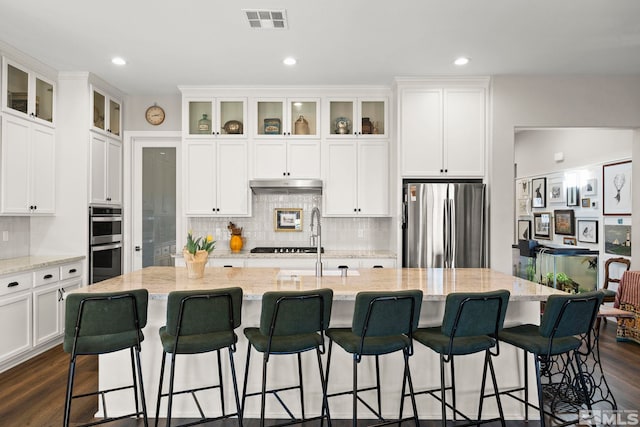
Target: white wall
{"type": "Point", "coordinates": [551, 101]}
{"type": "Point", "coordinates": [535, 148]}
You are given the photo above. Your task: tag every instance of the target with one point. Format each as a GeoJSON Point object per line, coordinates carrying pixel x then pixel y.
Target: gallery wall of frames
{"type": "Point", "coordinates": [589, 207]}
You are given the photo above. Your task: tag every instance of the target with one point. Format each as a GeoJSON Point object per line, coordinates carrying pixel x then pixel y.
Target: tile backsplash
{"type": "Point", "coordinates": [259, 230]}
{"type": "Point", "coordinates": [18, 229]}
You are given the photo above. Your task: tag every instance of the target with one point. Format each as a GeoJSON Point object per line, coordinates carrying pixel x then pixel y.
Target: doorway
{"type": "Point", "coordinates": [156, 202]}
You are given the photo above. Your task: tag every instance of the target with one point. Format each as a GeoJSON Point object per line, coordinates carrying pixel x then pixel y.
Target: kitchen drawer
{"type": "Point", "coordinates": [15, 283]}
{"type": "Point", "coordinates": [69, 271]}
{"type": "Point", "coordinates": [46, 276]}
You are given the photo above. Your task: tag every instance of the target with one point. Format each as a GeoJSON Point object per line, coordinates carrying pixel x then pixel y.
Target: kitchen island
{"type": "Point", "coordinates": [436, 284]}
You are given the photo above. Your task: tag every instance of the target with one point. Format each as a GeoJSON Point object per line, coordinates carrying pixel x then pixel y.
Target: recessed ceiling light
{"type": "Point", "coordinates": [289, 61]}
{"type": "Point", "coordinates": [119, 61]}
{"type": "Point", "coordinates": [461, 61]}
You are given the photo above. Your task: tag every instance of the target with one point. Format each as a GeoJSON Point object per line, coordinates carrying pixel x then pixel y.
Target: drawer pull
{"type": "Point", "coordinates": [377, 266]}
{"type": "Point", "coordinates": [48, 276]}
{"type": "Point", "coordinates": [73, 270]}
{"type": "Point", "coordinates": [13, 284]}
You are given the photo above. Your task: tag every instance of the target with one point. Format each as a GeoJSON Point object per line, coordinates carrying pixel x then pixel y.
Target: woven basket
{"type": "Point", "coordinates": [195, 263]}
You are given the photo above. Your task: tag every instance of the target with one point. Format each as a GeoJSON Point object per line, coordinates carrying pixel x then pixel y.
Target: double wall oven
{"type": "Point", "coordinates": [105, 243]}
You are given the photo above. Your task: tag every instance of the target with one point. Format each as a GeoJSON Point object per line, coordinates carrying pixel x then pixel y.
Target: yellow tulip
{"type": "Point", "coordinates": [209, 237]}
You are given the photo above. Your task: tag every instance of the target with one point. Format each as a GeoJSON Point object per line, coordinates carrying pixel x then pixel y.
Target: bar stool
{"type": "Point", "coordinates": [290, 323]}
{"type": "Point", "coordinates": [470, 324]}
{"type": "Point", "coordinates": [567, 323]}
{"type": "Point", "coordinates": [99, 323]}
{"type": "Point", "coordinates": [383, 323]}
{"type": "Point", "coordinates": [200, 321]}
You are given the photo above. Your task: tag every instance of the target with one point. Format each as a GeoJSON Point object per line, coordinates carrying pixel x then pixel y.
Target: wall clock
{"type": "Point", "coordinates": [154, 115]}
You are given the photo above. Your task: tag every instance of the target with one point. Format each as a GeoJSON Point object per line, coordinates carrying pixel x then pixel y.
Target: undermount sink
{"type": "Point", "coordinates": [289, 274]}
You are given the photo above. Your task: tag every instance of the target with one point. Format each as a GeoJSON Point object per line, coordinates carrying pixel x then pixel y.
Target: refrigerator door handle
{"type": "Point", "coordinates": [452, 234]}
{"type": "Point", "coordinates": [446, 238]}
{"type": "Point", "coordinates": [404, 214]}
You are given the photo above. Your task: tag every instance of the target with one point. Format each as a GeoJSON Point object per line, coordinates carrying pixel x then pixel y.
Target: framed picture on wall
{"type": "Point", "coordinates": [572, 196]}
{"type": "Point", "coordinates": [539, 188]}
{"type": "Point", "coordinates": [588, 230]}
{"type": "Point", "coordinates": [563, 222]}
{"type": "Point", "coordinates": [616, 188]}
{"type": "Point", "coordinates": [523, 207]}
{"type": "Point", "coordinates": [556, 190]}
{"type": "Point", "coordinates": [569, 241]}
{"type": "Point", "coordinates": [524, 229]}
{"type": "Point", "coordinates": [289, 219]}
{"type": "Point", "coordinates": [542, 225]}
{"type": "Point", "coordinates": [523, 189]}
{"type": "Point", "coordinates": [590, 188]}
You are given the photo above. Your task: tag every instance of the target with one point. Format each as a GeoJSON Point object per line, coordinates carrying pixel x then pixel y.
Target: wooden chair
{"type": "Point", "coordinates": [610, 295]}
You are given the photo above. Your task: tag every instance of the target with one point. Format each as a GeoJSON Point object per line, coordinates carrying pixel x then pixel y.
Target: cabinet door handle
{"type": "Point", "coordinates": [377, 266]}
{"type": "Point", "coordinates": [48, 276]}
{"type": "Point", "coordinates": [227, 266]}
{"type": "Point", "coordinates": [73, 270]}
{"type": "Point", "coordinates": [13, 284]}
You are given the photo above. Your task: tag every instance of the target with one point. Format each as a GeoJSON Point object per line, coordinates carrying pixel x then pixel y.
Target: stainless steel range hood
{"type": "Point", "coordinates": [286, 186]}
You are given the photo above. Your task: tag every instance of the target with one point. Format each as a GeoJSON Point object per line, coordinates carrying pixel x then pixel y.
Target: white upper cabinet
{"type": "Point", "coordinates": [28, 167]}
{"type": "Point", "coordinates": [216, 178]}
{"type": "Point", "coordinates": [286, 158]}
{"type": "Point", "coordinates": [356, 178]}
{"type": "Point", "coordinates": [442, 131]}
{"type": "Point", "coordinates": [203, 117]}
{"type": "Point", "coordinates": [288, 117]}
{"type": "Point", "coordinates": [27, 94]}
{"type": "Point", "coordinates": [106, 116]}
{"type": "Point", "coordinates": [106, 170]}
{"type": "Point", "coordinates": [356, 117]}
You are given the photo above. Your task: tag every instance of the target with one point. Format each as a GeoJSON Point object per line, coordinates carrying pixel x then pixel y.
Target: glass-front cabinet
{"type": "Point", "coordinates": [287, 117]}
{"type": "Point", "coordinates": [215, 116]}
{"type": "Point", "coordinates": [106, 113]}
{"type": "Point", "coordinates": [27, 93]}
{"type": "Point", "coordinates": [362, 117]}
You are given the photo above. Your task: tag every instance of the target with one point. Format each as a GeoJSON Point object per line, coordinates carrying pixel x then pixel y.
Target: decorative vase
{"type": "Point", "coordinates": [236, 243]}
{"type": "Point", "coordinates": [195, 263]}
{"type": "Point", "coordinates": [204, 124]}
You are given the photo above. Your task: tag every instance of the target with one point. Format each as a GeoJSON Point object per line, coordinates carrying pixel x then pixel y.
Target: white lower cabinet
{"type": "Point", "coordinates": [32, 310]}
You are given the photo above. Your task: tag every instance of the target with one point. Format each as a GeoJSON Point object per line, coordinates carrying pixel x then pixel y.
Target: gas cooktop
{"type": "Point", "coordinates": [286, 250]}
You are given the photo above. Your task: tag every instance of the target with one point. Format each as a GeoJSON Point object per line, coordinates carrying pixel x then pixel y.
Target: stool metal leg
{"type": "Point", "coordinates": [355, 391]}
{"type": "Point", "coordinates": [220, 382]}
{"type": "Point", "coordinates": [70, 378]}
{"type": "Point", "coordinates": [162, 364]}
{"type": "Point", "coordinates": [411, 391]}
{"type": "Point", "coordinates": [300, 384]}
{"type": "Point", "coordinates": [246, 377]}
{"type": "Point", "coordinates": [235, 387]}
{"type": "Point", "coordinates": [539, 384]}
{"type": "Point", "coordinates": [141, 387]}
{"type": "Point", "coordinates": [453, 387]}
{"type": "Point", "coordinates": [443, 400]}
{"type": "Point", "coordinates": [265, 360]}
{"type": "Point", "coordinates": [323, 381]}
{"type": "Point", "coordinates": [495, 389]}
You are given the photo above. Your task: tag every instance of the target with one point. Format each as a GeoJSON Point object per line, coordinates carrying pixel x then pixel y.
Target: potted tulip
{"type": "Point", "coordinates": [196, 252]}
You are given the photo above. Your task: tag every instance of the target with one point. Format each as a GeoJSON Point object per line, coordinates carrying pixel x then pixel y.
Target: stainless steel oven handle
{"type": "Point", "coordinates": [105, 247]}
{"type": "Point", "coordinates": [106, 218]}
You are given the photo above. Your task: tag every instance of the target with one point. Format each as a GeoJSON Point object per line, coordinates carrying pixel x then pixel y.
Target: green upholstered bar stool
{"type": "Point", "coordinates": [470, 324]}
{"type": "Point", "coordinates": [290, 323]}
{"type": "Point", "coordinates": [99, 323]}
{"type": "Point", "coordinates": [383, 323]}
{"type": "Point", "coordinates": [566, 324]}
{"type": "Point", "coordinates": [200, 321]}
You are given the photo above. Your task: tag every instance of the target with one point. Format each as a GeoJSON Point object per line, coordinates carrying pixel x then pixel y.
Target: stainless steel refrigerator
{"type": "Point", "coordinates": [444, 225]}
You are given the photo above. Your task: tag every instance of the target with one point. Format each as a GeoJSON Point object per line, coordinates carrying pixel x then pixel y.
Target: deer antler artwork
{"type": "Point", "coordinates": [618, 182]}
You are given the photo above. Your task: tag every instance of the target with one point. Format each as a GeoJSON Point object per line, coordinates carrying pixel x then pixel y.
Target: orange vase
{"type": "Point", "coordinates": [235, 243]}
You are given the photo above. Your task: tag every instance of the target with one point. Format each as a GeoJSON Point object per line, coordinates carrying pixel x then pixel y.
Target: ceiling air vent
{"type": "Point", "coordinates": [266, 19]}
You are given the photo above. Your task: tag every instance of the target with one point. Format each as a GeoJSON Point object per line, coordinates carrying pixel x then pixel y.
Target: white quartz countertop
{"type": "Point", "coordinates": [17, 265]}
{"type": "Point", "coordinates": [436, 283]}
{"type": "Point", "coordinates": [222, 253]}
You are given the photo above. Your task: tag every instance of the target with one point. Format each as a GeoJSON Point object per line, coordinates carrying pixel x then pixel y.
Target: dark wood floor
{"type": "Point", "coordinates": [32, 394]}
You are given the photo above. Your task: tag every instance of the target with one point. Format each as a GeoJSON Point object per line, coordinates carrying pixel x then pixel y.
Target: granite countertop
{"type": "Point", "coordinates": [225, 253]}
{"type": "Point", "coordinates": [17, 265]}
{"type": "Point", "coordinates": [436, 283]}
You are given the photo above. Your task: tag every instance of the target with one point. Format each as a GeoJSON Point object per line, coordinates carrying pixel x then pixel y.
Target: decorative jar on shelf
{"type": "Point", "coordinates": [204, 124]}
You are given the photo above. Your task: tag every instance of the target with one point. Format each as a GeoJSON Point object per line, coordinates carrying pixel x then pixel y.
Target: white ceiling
{"type": "Point", "coordinates": [208, 42]}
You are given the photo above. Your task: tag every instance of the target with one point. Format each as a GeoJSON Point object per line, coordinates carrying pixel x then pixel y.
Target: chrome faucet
{"type": "Point", "coordinates": [317, 239]}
